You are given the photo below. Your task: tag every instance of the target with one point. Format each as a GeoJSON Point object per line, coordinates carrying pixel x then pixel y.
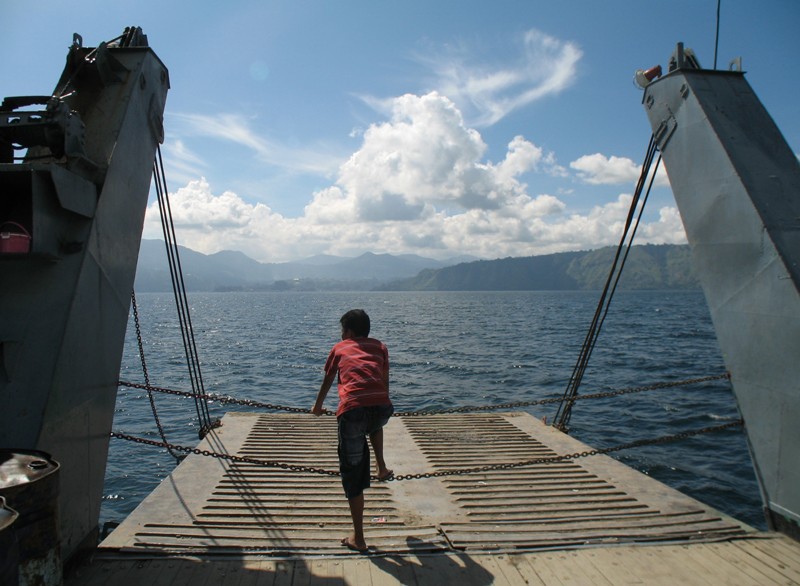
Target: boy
{"type": "Point", "coordinates": [362, 366]}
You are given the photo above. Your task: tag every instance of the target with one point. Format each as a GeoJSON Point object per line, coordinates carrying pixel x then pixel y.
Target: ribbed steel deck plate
{"type": "Point", "coordinates": [209, 505]}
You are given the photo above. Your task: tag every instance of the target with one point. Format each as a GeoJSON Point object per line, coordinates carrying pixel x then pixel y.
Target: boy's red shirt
{"type": "Point", "coordinates": [363, 366]}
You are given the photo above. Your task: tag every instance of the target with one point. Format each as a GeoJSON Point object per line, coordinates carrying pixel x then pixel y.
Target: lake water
{"type": "Point", "coordinates": [450, 349]}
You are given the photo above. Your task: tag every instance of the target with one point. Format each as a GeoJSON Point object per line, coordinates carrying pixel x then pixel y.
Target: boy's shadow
{"type": "Point", "coordinates": [422, 566]}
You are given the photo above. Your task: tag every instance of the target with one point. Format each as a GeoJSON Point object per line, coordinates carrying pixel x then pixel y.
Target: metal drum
{"type": "Point", "coordinates": [9, 551]}
{"type": "Point", "coordinates": [29, 485]}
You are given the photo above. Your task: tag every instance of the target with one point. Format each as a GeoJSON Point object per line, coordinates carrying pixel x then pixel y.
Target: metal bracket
{"type": "Point", "coordinates": [664, 132]}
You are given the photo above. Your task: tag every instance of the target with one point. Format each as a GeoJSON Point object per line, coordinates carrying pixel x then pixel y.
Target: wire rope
{"type": "Point", "coordinates": [181, 299]}
{"type": "Point", "coordinates": [632, 221]}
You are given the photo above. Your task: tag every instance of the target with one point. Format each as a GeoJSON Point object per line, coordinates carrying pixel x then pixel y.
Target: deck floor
{"type": "Point", "coordinates": [761, 560]}
{"type": "Point", "coordinates": [586, 520]}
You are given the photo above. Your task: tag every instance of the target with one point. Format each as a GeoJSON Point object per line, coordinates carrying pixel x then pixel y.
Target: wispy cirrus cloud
{"type": "Point", "coordinates": [183, 163]}
{"type": "Point", "coordinates": [486, 92]}
{"type": "Point", "coordinates": [240, 130]}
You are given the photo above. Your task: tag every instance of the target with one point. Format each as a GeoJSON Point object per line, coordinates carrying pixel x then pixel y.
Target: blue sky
{"type": "Point", "coordinates": [441, 128]}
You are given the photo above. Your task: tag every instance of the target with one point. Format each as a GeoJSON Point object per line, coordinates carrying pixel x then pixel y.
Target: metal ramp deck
{"type": "Point", "coordinates": [214, 506]}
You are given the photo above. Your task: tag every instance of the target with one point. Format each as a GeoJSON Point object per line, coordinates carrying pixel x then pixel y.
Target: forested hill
{"type": "Point", "coordinates": [648, 266]}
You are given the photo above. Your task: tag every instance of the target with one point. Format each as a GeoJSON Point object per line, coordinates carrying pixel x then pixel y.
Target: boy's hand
{"type": "Point", "coordinates": [323, 392]}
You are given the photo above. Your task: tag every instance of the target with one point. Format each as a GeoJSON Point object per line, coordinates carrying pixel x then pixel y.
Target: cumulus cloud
{"type": "Point", "coordinates": [598, 169]}
{"type": "Point", "coordinates": [425, 158]}
{"type": "Point", "coordinates": [419, 183]}
{"type": "Point", "coordinates": [667, 230]}
{"type": "Point", "coordinates": [209, 223]}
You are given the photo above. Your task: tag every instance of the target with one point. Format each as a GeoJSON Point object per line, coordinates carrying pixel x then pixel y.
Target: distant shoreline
{"type": "Point", "coordinates": [649, 267]}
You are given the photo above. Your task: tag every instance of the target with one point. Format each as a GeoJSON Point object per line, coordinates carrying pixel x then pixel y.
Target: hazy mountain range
{"type": "Point", "coordinates": [228, 270]}
{"type": "Point", "coordinates": [648, 267]}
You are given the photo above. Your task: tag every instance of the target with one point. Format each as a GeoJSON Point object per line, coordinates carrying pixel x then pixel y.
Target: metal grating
{"type": "Point", "coordinates": [214, 506]}
{"type": "Point", "coordinates": [256, 509]}
{"type": "Point", "coordinates": [545, 505]}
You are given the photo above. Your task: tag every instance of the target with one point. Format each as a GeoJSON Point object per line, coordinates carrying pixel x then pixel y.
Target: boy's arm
{"type": "Point", "coordinates": [323, 392]}
{"type": "Point", "coordinates": [386, 369]}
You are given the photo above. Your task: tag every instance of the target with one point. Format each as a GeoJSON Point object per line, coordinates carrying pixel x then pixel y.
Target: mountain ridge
{"type": "Point", "coordinates": [649, 266]}
{"type": "Point", "coordinates": [233, 270]}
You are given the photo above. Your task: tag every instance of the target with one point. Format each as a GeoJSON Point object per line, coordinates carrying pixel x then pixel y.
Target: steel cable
{"type": "Point", "coordinates": [564, 412]}
{"type": "Point", "coordinates": [181, 299]}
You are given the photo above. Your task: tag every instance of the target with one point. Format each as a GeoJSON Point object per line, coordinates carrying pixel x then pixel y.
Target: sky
{"type": "Point", "coordinates": [433, 127]}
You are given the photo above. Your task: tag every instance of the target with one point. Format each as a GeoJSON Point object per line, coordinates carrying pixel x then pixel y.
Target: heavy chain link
{"type": "Point", "coordinates": [603, 395]}
{"type": "Point", "coordinates": [146, 374]}
{"type": "Point", "coordinates": [230, 457]}
{"type": "Point", "coordinates": [223, 399]}
{"type": "Point", "coordinates": [439, 473]}
{"type": "Point", "coordinates": [466, 409]}
{"type": "Point", "coordinates": [575, 455]}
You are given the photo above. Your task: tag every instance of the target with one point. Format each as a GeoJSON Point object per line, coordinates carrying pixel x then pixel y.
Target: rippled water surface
{"type": "Point", "coordinates": [450, 349]}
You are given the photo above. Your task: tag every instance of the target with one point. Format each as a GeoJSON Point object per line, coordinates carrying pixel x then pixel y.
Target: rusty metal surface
{"type": "Point", "coordinates": [29, 485]}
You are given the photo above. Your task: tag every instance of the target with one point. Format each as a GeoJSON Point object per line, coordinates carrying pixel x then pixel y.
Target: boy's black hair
{"type": "Point", "coordinates": [357, 321]}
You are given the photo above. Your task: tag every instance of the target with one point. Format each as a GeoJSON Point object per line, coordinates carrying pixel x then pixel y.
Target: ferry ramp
{"type": "Point", "coordinates": [498, 525]}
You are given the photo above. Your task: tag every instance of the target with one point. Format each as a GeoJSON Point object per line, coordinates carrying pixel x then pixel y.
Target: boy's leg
{"type": "Point", "coordinates": [356, 540]}
{"type": "Point", "coordinates": [354, 468]}
{"type": "Point", "coordinates": [379, 416]}
{"type": "Point", "coordinates": [376, 439]}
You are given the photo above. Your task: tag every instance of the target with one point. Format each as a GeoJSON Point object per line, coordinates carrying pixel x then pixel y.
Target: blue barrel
{"type": "Point", "coordinates": [29, 485]}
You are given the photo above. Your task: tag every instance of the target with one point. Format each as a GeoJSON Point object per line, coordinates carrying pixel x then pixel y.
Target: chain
{"type": "Point", "coordinates": [573, 456]}
{"type": "Point", "coordinates": [603, 395]}
{"type": "Point", "coordinates": [440, 473]}
{"type": "Point", "coordinates": [225, 400]}
{"type": "Point", "coordinates": [467, 409]}
{"type": "Point", "coordinates": [230, 457]}
{"type": "Point", "coordinates": [157, 419]}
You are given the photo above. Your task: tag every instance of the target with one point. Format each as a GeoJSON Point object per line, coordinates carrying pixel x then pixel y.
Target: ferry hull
{"type": "Point", "coordinates": [737, 186]}
{"type": "Point", "coordinates": [64, 303]}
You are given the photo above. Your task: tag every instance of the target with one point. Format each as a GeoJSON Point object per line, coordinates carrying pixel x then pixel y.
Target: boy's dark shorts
{"type": "Point", "coordinates": [354, 427]}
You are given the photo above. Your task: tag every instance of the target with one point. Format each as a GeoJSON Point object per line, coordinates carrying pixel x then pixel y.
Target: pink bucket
{"type": "Point", "coordinates": [14, 239]}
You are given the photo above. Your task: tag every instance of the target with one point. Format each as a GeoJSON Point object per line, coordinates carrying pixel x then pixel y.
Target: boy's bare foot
{"type": "Point", "coordinates": [385, 474]}
{"type": "Point", "coordinates": [355, 545]}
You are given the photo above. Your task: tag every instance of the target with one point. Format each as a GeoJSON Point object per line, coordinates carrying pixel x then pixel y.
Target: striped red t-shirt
{"type": "Point", "coordinates": [363, 366]}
